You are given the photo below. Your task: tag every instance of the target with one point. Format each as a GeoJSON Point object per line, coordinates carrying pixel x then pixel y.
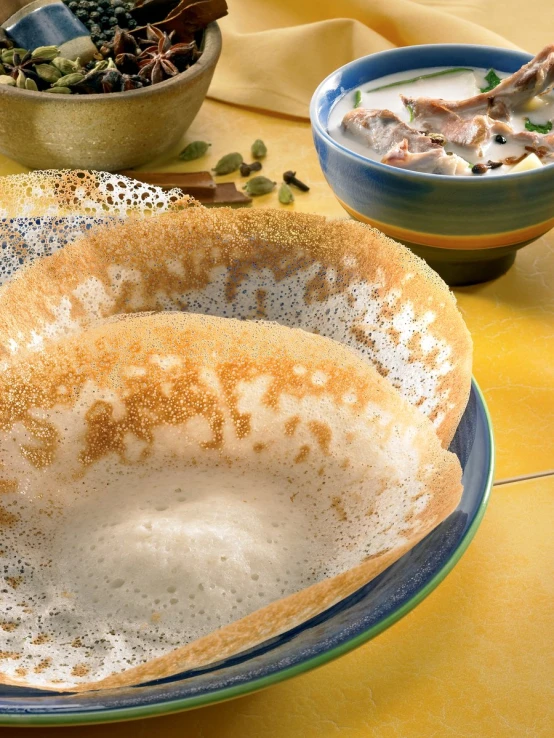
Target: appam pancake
{"type": "Point", "coordinates": [177, 488]}
{"type": "Point", "coordinates": [341, 279]}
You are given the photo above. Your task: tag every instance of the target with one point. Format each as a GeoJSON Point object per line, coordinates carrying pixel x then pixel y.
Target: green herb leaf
{"type": "Point", "coordinates": [538, 127]}
{"type": "Point", "coordinates": [493, 79]}
{"type": "Point", "coordinates": [411, 112]}
{"type": "Point", "coordinates": [454, 70]}
{"type": "Point", "coordinates": [357, 98]}
{"type": "Point", "coordinates": [194, 150]}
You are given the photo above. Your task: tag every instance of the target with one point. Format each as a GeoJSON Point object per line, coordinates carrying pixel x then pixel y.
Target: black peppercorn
{"type": "Point", "coordinates": [500, 139]}
{"type": "Point", "coordinates": [479, 168]}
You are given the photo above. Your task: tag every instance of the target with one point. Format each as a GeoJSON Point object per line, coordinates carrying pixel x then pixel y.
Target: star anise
{"type": "Point", "coordinates": [25, 64]}
{"type": "Point", "coordinates": [109, 80]}
{"type": "Point", "coordinates": [165, 59]}
{"type": "Point", "coordinates": [123, 43]}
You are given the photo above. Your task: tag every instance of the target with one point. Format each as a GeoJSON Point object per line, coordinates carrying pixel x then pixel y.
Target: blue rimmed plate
{"type": "Point", "coordinates": [351, 622]}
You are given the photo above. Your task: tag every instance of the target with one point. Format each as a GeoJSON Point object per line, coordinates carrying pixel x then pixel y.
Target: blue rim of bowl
{"type": "Point", "coordinates": [228, 693]}
{"type": "Point", "coordinates": [322, 131]}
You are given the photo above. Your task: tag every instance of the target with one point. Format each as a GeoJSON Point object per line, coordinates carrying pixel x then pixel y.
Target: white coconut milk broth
{"type": "Point", "coordinates": [458, 86]}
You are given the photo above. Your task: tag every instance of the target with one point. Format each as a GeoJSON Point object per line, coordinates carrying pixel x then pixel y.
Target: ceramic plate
{"type": "Point", "coordinates": [351, 622]}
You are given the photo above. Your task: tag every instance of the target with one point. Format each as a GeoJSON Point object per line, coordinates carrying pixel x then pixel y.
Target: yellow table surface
{"type": "Point", "coordinates": [475, 659]}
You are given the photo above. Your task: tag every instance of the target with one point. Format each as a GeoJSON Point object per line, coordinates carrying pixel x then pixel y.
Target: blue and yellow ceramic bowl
{"type": "Point", "coordinates": [467, 228]}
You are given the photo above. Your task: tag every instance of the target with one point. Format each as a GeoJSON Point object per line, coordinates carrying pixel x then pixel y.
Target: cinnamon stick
{"type": "Point", "coordinates": [199, 185]}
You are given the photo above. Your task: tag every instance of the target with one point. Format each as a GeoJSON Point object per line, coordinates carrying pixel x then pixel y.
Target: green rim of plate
{"type": "Point", "coordinates": [223, 695]}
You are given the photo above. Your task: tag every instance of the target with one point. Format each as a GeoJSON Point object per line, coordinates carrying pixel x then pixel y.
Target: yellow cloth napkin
{"type": "Point", "coordinates": [276, 52]}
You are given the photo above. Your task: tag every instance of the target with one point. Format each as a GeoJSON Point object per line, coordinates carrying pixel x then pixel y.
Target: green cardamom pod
{"type": "Point", "coordinates": [61, 90]}
{"type": "Point", "coordinates": [66, 66]}
{"type": "Point", "coordinates": [45, 52]}
{"type": "Point", "coordinates": [194, 150]}
{"type": "Point", "coordinates": [5, 79]}
{"type": "Point", "coordinates": [21, 79]}
{"type": "Point", "coordinates": [48, 73]}
{"type": "Point", "coordinates": [111, 64]}
{"type": "Point", "coordinates": [30, 84]}
{"type": "Point", "coordinates": [259, 186]}
{"type": "Point", "coordinates": [285, 194]}
{"type": "Point", "coordinates": [258, 149]}
{"type": "Point", "coordinates": [2, 70]}
{"type": "Point", "coordinates": [229, 163]}
{"type": "Point", "coordinates": [100, 66]}
{"type": "Point", "coordinates": [69, 79]}
{"type": "Point", "coordinates": [7, 55]}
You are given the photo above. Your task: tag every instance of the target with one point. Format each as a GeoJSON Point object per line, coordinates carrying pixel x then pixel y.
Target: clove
{"type": "Point", "coordinates": [290, 178]}
{"type": "Point", "coordinates": [245, 168]}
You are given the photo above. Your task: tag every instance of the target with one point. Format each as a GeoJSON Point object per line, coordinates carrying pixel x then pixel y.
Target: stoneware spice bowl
{"type": "Point", "coordinates": [467, 228]}
{"type": "Point", "coordinates": [107, 132]}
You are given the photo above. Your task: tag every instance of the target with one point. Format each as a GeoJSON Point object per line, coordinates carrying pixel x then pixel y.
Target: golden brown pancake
{"type": "Point", "coordinates": [177, 488]}
{"type": "Point", "coordinates": [339, 278]}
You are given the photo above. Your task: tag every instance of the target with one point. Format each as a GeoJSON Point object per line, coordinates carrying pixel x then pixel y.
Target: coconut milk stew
{"type": "Point", "coordinates": [463, 121]}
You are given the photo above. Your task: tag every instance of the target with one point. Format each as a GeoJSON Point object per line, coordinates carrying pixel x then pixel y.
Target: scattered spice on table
{"type": "Point", "coordinates": [228, 163]}
{"type": "Point", "coordinates": [258, 149]}
{"type": "Point", "coordinates": [290, 178]}
{"type": "Point", "coordinates": [259, 185]}
{"type": "Point", "coordinates": [285, 194]}
{"type": "Point", "coordinates": [247, 169]}
{"type": "Point", "coordinates": [194, 150]}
